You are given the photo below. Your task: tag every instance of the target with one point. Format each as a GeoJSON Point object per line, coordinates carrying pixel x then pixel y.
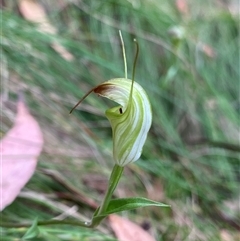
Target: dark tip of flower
{"type": "Point", "coordinates": [101, 88]}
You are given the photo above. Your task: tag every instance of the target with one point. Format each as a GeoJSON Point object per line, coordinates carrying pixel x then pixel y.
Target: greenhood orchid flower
{"type": "Point", "coordinates": [130, 121]}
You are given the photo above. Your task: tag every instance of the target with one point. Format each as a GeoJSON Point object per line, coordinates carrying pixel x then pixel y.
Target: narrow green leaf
{"type": "Point", "coordinates": [33, 231]}
{"type": "Point", "coordinates": [124, 204]}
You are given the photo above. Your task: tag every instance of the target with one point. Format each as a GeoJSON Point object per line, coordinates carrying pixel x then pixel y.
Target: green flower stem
{"type": "Point", "coordinates": [113, 181]}
{"type": "Point", "coordinates": [112, 184]}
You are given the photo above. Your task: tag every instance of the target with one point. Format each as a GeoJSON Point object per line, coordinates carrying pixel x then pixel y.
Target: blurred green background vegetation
{"type": "Point", "coordinates": [189, 66]}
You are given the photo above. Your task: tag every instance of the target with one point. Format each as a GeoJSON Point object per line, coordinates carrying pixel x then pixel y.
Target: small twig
{"type": "Point", "coordinates": [220, 144]}
{"type": "Point", "coordinates": [77, 194]}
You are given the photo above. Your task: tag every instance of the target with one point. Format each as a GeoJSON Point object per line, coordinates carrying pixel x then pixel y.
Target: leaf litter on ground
{"type": "Point", "coordinates": [19, 150]}
{"type": "Point", "coordinates": [126, 230]}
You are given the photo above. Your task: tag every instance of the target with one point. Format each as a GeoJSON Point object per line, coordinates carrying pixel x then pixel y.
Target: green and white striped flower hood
{"type": "Point", "coordinates": [130, 121]}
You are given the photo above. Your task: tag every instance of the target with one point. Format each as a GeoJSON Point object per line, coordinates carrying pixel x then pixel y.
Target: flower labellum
{"type": "Point", "coordinates": [130, 121]}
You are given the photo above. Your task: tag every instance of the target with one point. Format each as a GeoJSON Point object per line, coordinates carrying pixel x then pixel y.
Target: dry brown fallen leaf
{"type": "Point", "coordinates": [126, 230]}
{"type": "Point", "coordinates": [19, 150]}
{"type": "Point", "coordinates": [208, 50]}
{"type": "Point", "coordinates": [182, 6]}
{"type": "Point", "coordinates": [34, 12]}
{"type": "Point", "coordinates": [225, 235]}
